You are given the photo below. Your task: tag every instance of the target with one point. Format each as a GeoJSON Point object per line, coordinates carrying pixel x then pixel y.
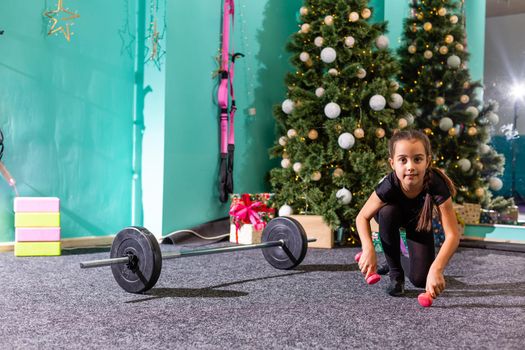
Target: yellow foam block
{"type": "Point", "coordinates": [37, 248]}
{"type": "Point", "coordinates": [37, 219]}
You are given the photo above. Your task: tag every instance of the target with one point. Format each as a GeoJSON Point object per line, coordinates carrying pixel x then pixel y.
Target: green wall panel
{"type": "Point", "coordinates": [66, 113]}
{"type": "Point", "coordinates": [262, 29]}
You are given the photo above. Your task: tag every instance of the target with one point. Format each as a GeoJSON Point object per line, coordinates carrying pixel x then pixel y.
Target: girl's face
{"type": "Point", "coordinates": [410, 163]}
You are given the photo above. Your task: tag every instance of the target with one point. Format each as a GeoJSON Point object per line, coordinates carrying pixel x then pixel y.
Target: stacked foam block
{"type": "Point", "coordinates": [37, 226]}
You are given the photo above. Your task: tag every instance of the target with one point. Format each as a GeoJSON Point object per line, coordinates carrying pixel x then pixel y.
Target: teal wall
{"type": "Point", "coordinates": [191, 166]}
{"type": "Point", "coordinates": [66, 114]}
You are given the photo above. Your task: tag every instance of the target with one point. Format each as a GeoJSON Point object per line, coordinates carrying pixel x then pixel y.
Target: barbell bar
{"type": "Point", "coordinates": [136, 259]}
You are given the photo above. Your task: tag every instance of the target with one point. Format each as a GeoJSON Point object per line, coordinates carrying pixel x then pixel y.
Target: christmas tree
{"type": "Point", "coordinates": [342, 105]}
{"type": "Point", "coordinates": [436, 78]}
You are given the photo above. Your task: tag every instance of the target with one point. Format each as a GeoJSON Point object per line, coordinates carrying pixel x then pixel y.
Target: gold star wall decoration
{"type": "Point", "coordinates": [57, 18]}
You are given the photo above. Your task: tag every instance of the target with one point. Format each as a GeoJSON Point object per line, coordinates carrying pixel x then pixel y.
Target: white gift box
{"type": "Point", "coordinates": [246, 234]}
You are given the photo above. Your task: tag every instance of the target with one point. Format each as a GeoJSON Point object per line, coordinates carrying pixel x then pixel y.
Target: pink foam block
{"type": "Point", "coordinates": [37, 234]}
{"type": "Point", "coordinates": [37, 205]}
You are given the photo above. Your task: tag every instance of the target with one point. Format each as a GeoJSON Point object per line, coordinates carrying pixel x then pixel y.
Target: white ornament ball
{"type": "Point", "coordinates": [396, 101]}
{"type": "Point", "coordinates": [353, 16]}
{"type": "Point", "coordinates": [419, 112]}
{"type": "Point", "coordinates": [328, 55]}
{"type": "Point", "coordinates": [291, 133]}
{"type": "Point", "coordinates": [287, 106]}
{"type": "Point", "coordinates": [453, 61]}
{"type": "Point", "coordinates": [285, 163]}
{"type": "Point", "coordinates": [346, 140]}
{"type": "Point", "coordinates": [283, 140]}
{"type": "Point", "coordinates": [495, 183]}
{"type": "Point", "coordinates": [303, 10]}
{"type": "Point", "coordinates": [473, 111]}
{"type": "Point", "coordinates": [394, 85]}
{"type": "Point", "coordinates": [453, 19]}
{"type": "Point", "coordinates": [493, 118]}
{"type": "Point", "coordinates": [316, 176]}
{"type": "Point", "coordinates": [382, 42]}
{"type": "Point", "coordinates": [297, 166]}
{"type": "Point", "coordinates": [319, 92]}
{"type": "Point", "coordinates": [319, 41]}
{"type": "Point", "coordinates": [328, 20]}
{"type": "Point", "coordinates": [484, 148]}
{"type": "Point", "coordinates": [410, 118]}
{"type": "Point", "coordinates": [304, 56]}
{"type": "Point", "coordinates": [285, 210]}
{"type": "Point", "coordinates": [344, 196]}
{"type": "Point", "coordinates": [446, 123]}
{"type": "Point", "coordinates": [464, 164]}
{"type": "Point", "coordinates": [332, 110]}
{"type": "Point", "coordinates": [305, 28]}
{"type": "Point", "coordinates": [361, 73]}
{"type": "Point", "coordinates": [377, 102]}
{"type": "Point", "coordinates": [349, 41]}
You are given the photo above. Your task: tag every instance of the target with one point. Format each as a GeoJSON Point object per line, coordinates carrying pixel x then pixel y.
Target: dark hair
{"type": "Point", "coordinates": [425, 218]}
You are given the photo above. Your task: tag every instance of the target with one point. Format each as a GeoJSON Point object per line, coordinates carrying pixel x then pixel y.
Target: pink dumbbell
{"type": "Point", "coordinates": [372, 279]}
{"type": "Point", "coordinates": [425, 299]}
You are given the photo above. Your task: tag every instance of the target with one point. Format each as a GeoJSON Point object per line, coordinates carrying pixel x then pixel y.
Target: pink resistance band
{"type": "Point", "coordinates": [225, 91]}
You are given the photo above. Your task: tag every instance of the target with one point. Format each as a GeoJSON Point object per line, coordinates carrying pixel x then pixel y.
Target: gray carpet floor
{"type": "Point", "coordinates": [237, 300]}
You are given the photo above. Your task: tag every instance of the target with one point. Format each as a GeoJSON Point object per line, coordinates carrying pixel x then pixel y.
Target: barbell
{"type": "Point", "coordinates": [136, 258]}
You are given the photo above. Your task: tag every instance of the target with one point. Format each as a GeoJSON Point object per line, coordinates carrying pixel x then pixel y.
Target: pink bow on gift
{"type": "Point", "coordinates": [246, 212]}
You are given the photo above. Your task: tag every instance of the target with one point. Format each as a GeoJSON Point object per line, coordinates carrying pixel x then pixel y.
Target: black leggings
{"type": "Point", "coordinates": [420, 245]}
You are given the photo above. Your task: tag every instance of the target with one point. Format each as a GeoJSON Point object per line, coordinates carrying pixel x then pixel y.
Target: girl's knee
{"type": "Point", "coordinates": [418, 281]}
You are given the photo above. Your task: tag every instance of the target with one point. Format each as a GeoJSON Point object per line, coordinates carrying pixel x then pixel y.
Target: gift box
{"type": "Point", "coordinates": [469, 212]}
{"type": "Point", "coordinates": [315, 227]}
{"type": "Point", "coordinates": [403, 246]}
{"type": "Point", "coordinates": [249, 214]}
{"type": "Point", "coordinates": [509, 216]}
{"type": "Point", "coordinates": [488, 216]}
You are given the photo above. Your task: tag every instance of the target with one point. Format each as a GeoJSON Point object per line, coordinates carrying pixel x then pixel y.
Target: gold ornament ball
{"type": "Point", "coordinates": [309, 63]}
{"type": "Point", "coordinates": [454, 19]}
{"type": "Point", "coordinates": [359, 133]}
{"type": "Point", "coordinates": [466, 85]}
{"type": "Point", "coordinates": [313, 134]}
{"type": "Point", "coordinates": [316, 176]}
{"type": "Point", "coordinates": [449, 39]}
{"type": "Point", "coordinates": [427, 131]}
{"type": "Point", "coordinates": [366, 13]}
{"type": "Point", "coordinates": [394, 85]}
{"type": "Point", "coordinates": [402, 123]}
{"type": "Point", "coordinates": [303, 11]}
{"type": "Point", "coordinates": [420, 16]}
{"type": "Point", "coordinates": [338, 172]}
{"type": "Point", "coordinates": [428, 54]}
{"type": "Point", "coordinates": [353, 17]}
{"type": "Point", "coordinates": [443, 50]}
{"type": "Point", "coordinates": [440, 101]}
{"type": "Point", "coordinates": [460, 47]}
{"type": "Point", "coordinates": [361, 73]}
{"type": "Point", "coordinates": [464, 99]}
{"type": "Point", "coordinates": [414, 28]}
{"type": "Point", "coordinates": [412, 49]}
{"type": "Point", "coordinates": [329, 20]}
{"type": "Point", "coordinates": [435, 122]}
{"type": "Point", "coordinates": [286, 155]}
{"type": "Point", "coordinates": [427, 26]}
{"type": "Point", "coordinates": [480, 192]}
{"type": "Point", "coordinates": [380, 133]}
{"type": "Point", "coordinates": [305, 28]}
{"type": "Point", "coordinates": [333, 72]}
{"type": "Point", "coordinates": [442, 11]}
{"type": "Point", "coordinates": [472, 131]}
{"type": "Point", "coordinates": [452, 131]}
{"type": "Point", "coordinates": [338, 128]}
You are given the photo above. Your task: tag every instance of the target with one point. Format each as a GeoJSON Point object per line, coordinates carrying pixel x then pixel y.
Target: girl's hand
{"type": "Point", "coordinates": [435, 283]}
{"type": "Point", "coordinates": [368, 262]}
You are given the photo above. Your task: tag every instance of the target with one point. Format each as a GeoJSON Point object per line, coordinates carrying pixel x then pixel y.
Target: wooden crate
{"type": "Point", "coordinates": [315, 227]}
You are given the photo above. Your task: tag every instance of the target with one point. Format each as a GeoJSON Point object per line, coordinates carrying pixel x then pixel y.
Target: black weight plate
{"type": "Point", "coordinates": [294, 237]}
{"type": "Point", "coordinates": [143, 245]}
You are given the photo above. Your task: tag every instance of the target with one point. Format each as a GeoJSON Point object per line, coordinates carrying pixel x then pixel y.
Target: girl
{"type": "Point", "coordinates": [406, 198]}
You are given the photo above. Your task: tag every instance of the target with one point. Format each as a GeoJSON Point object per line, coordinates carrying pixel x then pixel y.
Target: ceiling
{"type": "Point", "coordinates": [504, 7]}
